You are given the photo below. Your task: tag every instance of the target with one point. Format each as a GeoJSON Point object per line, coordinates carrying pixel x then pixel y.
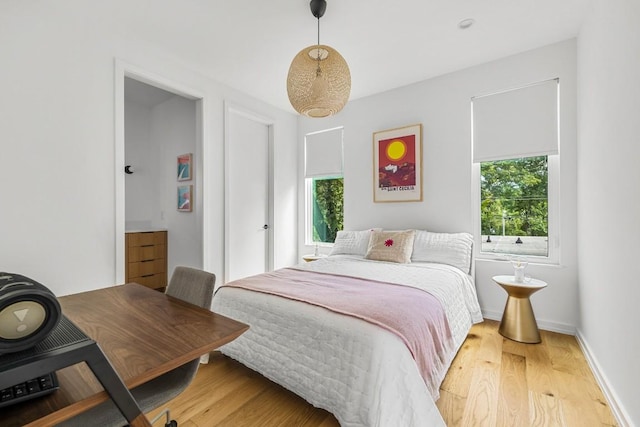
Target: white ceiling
{"type": "Point", "coordinates": [144, 94]}
{"type": "Point", "coordinates": [249, 44]}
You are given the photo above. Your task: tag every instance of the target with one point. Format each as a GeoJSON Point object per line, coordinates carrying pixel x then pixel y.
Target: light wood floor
{"type": "Point", "coordinates": [493, 381]}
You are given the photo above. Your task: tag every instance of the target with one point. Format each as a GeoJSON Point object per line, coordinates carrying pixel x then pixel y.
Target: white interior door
{"type": "Point", "coordinates": [247, 210]}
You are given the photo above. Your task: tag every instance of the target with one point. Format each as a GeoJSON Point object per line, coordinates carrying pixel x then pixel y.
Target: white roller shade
{"type": "Point", "coordinates": [323, 153]}
{"type": "Point", "coordinates": [517, 123]}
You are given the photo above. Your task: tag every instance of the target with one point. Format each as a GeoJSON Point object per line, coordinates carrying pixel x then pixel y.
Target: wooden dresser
{"type": "Point", "coordinates": [146, 256]}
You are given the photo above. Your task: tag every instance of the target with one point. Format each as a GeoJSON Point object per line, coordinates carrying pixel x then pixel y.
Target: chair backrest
{"type": "Point", "coordinates": [192, 285]}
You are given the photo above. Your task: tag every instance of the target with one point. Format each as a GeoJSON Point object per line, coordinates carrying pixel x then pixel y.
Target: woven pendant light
{"type": "Point", "coordinates": [319, 82]}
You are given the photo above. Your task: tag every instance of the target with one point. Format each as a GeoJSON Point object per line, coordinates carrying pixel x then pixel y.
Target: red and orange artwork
{"type": "Point", "coordinates": [397, 162]}
{"type": "Point", "coordinates": [397, 170]}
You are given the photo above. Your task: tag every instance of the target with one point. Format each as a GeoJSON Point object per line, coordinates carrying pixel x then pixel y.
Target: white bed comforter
{"type": "Point", "coordinates": [362, 373]}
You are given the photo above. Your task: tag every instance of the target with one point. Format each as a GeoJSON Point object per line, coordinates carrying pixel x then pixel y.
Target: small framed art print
{"type": "Point", "coordinates": [185, 167]}
{"type": "Point", "coordinates": [185, 198]}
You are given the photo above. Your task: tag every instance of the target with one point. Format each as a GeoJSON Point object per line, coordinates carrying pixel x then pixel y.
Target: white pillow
{"type": "Point", "coordinates": [445, 248]}
{"type": "Point", "coordinates": [352, 242]}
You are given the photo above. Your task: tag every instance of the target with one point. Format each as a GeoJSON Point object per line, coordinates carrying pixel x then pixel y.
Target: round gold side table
{"type": "Point", "coordinates": [311, 258]}
{"type": "Point", "coordinates": [518, 322]}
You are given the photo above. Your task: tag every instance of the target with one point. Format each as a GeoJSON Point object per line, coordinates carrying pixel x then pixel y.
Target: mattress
{"type": "Point", "coordinates": [364, 374]}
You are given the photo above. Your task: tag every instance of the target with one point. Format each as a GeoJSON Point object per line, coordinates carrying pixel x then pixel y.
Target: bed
{"type": "Point", "coordinates": [343, 358]}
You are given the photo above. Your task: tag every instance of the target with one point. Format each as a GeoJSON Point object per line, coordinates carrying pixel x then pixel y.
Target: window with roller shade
{"type": "Point", "coordinates": [515, 160]}
{"type": "Point", "coordinates": [324, 186]}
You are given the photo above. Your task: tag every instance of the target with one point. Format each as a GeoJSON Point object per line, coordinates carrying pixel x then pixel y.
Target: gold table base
{"type": "Point", "coordinates": [518, 322]}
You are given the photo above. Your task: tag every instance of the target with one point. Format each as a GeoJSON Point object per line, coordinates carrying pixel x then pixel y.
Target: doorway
{"type": "Point", "coordinates": [248, 194]}
{"type": "Point", "coordinates": [147, 198]}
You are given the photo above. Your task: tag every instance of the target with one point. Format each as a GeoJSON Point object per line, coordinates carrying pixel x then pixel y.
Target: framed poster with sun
{"type": "Point", "coordinates": [397, 168]}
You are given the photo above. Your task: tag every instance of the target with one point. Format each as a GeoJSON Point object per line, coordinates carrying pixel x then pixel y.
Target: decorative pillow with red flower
{"type": "Point", "coordinates": [391, 246]}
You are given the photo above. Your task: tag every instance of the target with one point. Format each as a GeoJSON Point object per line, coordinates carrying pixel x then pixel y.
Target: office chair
{"type": "Point", "coordinates": [190, 285]}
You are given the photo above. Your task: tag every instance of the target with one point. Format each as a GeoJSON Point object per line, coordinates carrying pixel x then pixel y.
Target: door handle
{"type": "Point", "coordinates": [266, 227]}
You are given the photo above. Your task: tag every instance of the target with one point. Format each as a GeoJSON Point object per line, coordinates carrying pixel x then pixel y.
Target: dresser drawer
{"type": "Point", "coordinates": [151, 281]}
{"type": "Point", "coordinates": [141, 239]}
{"type": "Point", "coordinates": [146, 238]}
{"type": "Point", "coordinates": [145, 268]}
{"type": "Point", "coordinates": [142, 253]}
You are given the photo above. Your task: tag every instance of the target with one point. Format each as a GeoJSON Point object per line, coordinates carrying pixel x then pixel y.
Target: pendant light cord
{"type": "Point", "coordinates": [318, 70]}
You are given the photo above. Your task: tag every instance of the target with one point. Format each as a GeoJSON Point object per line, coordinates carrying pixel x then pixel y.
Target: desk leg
{"type": "Point", "coordinates": [518, 322]}
{"type": "Point", "coordinates": [119, 393]}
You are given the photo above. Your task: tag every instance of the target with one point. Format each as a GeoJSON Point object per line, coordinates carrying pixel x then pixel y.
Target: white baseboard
{"type": "Point", "coordinates": [622, 417]}
{"type": "Point", "coordinates": [562, 328]}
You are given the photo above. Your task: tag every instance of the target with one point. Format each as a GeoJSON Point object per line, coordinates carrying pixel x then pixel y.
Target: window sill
{"type": "Point", "coordinates": [532, 260]}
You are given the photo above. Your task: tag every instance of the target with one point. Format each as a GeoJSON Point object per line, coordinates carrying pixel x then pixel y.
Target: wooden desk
{"type": "Point", "coordinates": [143, 333]}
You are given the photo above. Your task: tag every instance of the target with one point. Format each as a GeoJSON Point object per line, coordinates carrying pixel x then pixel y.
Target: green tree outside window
{"type": "Point", "coordinates": [328, 212]}
{"type": "Point", "coordinates": [514, 197]}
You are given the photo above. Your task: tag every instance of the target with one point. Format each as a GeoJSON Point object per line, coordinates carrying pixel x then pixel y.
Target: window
{"type": "Point", "coordinates": [514, 206]}
{"type": "Point", "coordinates": [326, 208]}
{"type": "Point", "coordinates": [516, 169]}
{"type": "Point", "coordinates": [324, 187]}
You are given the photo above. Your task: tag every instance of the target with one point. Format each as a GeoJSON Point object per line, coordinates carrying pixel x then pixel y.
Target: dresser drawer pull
{"type": "Point", "coordinates": [147, 275]}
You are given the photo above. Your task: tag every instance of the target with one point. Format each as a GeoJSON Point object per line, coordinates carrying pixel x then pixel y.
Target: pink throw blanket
{"type": "Point", "coordinates": [414, 315]}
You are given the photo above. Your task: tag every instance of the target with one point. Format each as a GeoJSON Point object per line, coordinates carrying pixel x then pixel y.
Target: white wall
{"type": "Point", "coordinates": [173, 130]}
{"type": "Point", "coordinates": [442, 105]}
{"type": "Point", "coordinates": [608, 203]}
{"type": "Point", "coordinates": [143, 186]}
{"type": "Point", "coordinates": [57, 217]}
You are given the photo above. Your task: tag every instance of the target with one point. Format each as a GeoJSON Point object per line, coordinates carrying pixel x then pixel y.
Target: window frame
{"type": "Point", "coordinates": [553, 202]}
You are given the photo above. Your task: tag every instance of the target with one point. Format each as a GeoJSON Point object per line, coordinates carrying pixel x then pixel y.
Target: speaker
{"type": "Point", "coordinates": [29, 312]}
